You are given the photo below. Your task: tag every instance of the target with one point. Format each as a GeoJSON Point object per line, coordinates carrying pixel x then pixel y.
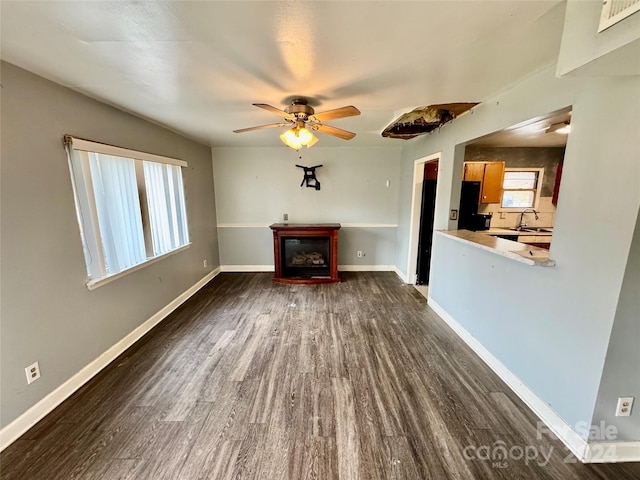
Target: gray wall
{"type": "Point", "coordinates": [549, 326]}
{"type": "Point", "coordinates": [621, 377]}
{"type": "Point", "coordinates": [521, 157]}
{"type": "Point", "coordinates": [47, 313]}
{"type": "Point", "coordinates": [584, 51]}
{"type": "Point", "coordinates": [256, 186]}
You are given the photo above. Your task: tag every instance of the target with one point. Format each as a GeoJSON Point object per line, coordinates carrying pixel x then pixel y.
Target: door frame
{"type": "Point", "coordinates": [416, 210]}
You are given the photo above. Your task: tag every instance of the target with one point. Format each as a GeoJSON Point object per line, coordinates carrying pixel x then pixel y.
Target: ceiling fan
{"type": "Point", "coordinates": [302, 119]}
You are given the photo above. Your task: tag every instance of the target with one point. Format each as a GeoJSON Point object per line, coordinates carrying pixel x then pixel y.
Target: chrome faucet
{"type": "Point", "coordinates": [521, 223]}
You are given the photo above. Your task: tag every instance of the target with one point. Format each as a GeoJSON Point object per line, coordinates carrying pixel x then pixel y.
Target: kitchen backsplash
{"type": "Point", "coordinates": [546, 215]}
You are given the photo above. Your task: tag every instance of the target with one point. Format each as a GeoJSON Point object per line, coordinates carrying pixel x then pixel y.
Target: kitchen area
{"type": "Point", "coordinates": [509, 192]}
{"type": "Point", "coordinates": [511, 182]}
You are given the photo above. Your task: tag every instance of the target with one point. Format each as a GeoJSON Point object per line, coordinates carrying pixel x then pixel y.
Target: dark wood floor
{"type": "Point", "coordinates": [255, 380]}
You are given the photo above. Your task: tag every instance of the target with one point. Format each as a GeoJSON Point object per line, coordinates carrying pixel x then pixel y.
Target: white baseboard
{"type": "Point", "coordinates": [247, 268]}
{"type": "Point", "coordinates": [607, 452]}
{"type": "Point", "coordinates": [402, 276]}
{"type": "Point", "coordinates": [24, 422]}
{"type": "Point", "coordinates": [586, 452]}
{"type": "Point", "coordinates": [341, 268]}
{"type": "Point", "coordinates": [366, 268]}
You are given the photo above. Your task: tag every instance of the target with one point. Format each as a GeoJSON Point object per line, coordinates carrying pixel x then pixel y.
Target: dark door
{"type": "Point", "coordinates": [427, 212]}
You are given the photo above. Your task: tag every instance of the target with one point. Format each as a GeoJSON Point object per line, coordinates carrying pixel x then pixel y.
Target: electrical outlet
{"type": "Point", "coordinates": [623, 409]}
{"type": "Point", "coordinates": [33, 372]}
{"type": "Point", "coordinates": [503, 215]}
{"type": "Point", "coordinates": [205, 263]}
{"type": "Point", "coordinates": [285, 217]}
{"type": "Point", "coordinates": [359, 254]}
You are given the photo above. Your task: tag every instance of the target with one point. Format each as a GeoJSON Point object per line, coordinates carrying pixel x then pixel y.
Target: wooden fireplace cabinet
{"type": "Point", "coordinates": [283, 231]}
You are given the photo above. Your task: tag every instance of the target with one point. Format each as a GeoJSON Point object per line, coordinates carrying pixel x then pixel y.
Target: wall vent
{"type": "Point", "coordinates": [615, 10]}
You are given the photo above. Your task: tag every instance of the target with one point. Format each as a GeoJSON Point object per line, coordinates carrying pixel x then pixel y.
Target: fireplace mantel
{"type": "Point", "coordinates": [305, 252]}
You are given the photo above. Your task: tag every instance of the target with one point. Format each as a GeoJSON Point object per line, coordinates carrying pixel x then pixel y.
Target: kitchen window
{"type": "Point", "coordinates": [130, 207]}
{"type": "Point", "coordinates": [521, 187]}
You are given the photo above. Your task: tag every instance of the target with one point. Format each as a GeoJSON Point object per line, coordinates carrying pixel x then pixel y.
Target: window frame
{"type": "Point", "coordinates": [78, 151]}
{"type": "Point", "coordinates": [536, 190]}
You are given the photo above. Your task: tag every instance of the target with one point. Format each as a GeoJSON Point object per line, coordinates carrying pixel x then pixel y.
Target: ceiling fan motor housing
{"type": "Point", "coordinates": [300, 116]}
{"type": "Point", "coordinates": [299, 108]}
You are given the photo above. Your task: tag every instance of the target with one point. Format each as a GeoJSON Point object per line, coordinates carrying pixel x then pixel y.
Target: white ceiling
{"type": "Point", "coordinates": [196, 67]}
{"type": "Point", "coordinates": [533, 132]}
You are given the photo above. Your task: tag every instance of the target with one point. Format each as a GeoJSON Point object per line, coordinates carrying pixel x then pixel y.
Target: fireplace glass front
{"type": "Point", "coordinates": [306, 256]}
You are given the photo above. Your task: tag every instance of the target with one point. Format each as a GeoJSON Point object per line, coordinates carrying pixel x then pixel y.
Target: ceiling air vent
{"type": "Point", "coordinates": [615, 10]}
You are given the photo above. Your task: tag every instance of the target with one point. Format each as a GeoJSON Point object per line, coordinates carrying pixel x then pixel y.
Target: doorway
{"type": "Point", "coordinates": [427, 214]}
{"type": "Point", "coordinates": [416, 215]}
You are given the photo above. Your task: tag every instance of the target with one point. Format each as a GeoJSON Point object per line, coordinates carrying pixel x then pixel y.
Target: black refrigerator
{"type": "Point", "coordinates": [469, 199]}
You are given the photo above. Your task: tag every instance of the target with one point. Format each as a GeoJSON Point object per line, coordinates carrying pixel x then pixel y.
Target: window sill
{"type": "Point", "coordinates": [95, 283]}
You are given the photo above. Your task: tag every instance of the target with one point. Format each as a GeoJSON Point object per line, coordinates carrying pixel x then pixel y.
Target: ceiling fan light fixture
{"type": "Point", "coordinates": [290, 139]}
{"type": "Point", "coordinates": [298, 137]}
{"type": "Point", "coordinates": [298, 116]}
{"type": "Point", "coordinates": [305, 136]}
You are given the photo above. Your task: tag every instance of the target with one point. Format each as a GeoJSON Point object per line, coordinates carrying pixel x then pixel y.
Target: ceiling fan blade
{"type": "Point", "coordinates": [275, 110]}
{"type": "Point", "coordinates": [260, 127]}
{"type": "Point", "coordinates": [341, 112]}
{"type": "Point", "coordinates": [336, 132]}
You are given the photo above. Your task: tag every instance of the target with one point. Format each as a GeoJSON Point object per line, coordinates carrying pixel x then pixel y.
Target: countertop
{"type": "Point", "coordinates": [516, 251]}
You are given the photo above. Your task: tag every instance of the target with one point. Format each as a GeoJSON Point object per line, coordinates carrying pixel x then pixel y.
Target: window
{"type": "Point", "coordinates": [130, 205]}
{"type": "Point", "coordinates": [521, 187]}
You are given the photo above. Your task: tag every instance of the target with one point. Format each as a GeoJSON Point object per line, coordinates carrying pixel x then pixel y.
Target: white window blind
{"type": "Point", "coordinates": [118, 211]}
{"type": "Point", "coordinates": [165, 197]}
{"type": "Point", "coordinates": [131, 206]}
{"type": "Point", "coordinates": [89, 146]}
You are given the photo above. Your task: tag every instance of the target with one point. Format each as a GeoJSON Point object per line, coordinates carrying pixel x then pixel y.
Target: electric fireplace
{"type": "Point", "coordinates": [305, 253]}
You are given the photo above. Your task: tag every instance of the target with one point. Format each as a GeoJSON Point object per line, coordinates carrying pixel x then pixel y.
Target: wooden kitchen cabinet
{"type": "Point", "coordinates": [490, 175]}
{"type": "Point", "coordinates": [556, 186]}
{"type": "Point", "coordinates": [474, 171]}
{"type": "Point", "coordinates": [492, 183]}
{"type": "Point", "coordinates": [545, 245]}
